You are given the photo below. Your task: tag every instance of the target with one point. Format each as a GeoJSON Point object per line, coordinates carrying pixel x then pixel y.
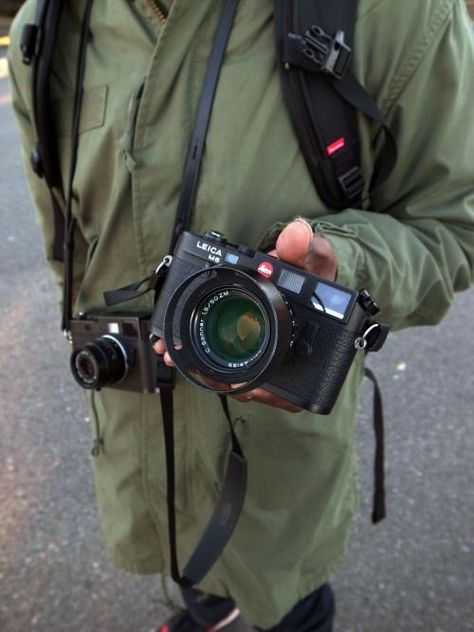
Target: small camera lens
{"type": "Point", "coordinates": [103, 362]}
{"type": "Point", "coordinates": [231, 328]}
{"type": "Point", "coordinates": [86, 367]}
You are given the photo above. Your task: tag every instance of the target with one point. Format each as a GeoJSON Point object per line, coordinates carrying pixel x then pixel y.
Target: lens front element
{"type": "Point", "coordinates": [231, 328]}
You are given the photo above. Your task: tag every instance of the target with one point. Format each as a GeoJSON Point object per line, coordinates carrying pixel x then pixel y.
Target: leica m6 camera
{"type": "Point", "coordinates": [234, 318]}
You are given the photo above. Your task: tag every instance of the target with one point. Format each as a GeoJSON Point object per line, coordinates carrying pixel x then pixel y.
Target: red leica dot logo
{"type": "Point", "coordinates": [265, 269]}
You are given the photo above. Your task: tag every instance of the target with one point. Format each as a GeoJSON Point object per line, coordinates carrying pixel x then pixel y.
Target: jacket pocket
{"type": "Point", "coordinates": [94, 105]}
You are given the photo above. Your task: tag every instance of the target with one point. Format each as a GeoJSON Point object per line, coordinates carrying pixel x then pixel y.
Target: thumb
{"type": "Point", "coordinates": [298, 245]}
{"type": "Point", "coordinates": [294, 243]}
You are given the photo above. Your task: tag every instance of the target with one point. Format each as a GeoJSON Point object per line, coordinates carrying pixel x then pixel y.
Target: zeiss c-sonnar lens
{"type": "Point", "coordinates": [227, 325]}
{"type": "Point", "coordinates": [231, 328]}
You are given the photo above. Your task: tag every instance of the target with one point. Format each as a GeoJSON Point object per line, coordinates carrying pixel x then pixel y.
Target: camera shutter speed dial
{"type": "Point", "coordinates": [215, 235]}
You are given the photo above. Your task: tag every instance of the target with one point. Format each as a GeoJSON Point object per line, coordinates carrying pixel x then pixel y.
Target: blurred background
{"type": "Point", "coordinates": [413, 573]}
{"type": "Point", "coordinates": [9, 7]}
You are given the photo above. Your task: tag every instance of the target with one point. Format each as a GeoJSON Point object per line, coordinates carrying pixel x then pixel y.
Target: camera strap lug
{"type": "Point", "coordinates": [156, 279]}
{"type": "Point", "coordinates": [373, 338]}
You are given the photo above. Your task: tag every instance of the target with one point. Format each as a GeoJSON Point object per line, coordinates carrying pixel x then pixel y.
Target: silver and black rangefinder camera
{"type": "Point", "coordinates": [113, 351]}
{"type": "Point", "coordinates": [234, 318]}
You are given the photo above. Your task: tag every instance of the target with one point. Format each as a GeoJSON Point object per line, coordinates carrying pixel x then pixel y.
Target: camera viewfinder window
{"type": "Point", "coordinates": [334, 301]}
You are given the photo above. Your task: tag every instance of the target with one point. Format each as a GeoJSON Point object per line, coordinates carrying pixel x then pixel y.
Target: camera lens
{"type": "Point", "coordinates": [100, 363]}
{"type": "Point", "coordinates": [86, 367]}
{"type": "Point", "coordinates": [231, 328]}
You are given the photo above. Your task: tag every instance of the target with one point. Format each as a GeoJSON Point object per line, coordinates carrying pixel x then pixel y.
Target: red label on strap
{"type": "Point", "coordinates": [336, 146]}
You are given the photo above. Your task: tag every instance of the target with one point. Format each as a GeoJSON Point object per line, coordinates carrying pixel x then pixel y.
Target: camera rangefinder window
{"type": "Point", "coordinates": [231, 328]}
{"type": "Point", "coordinates": [331, 300]}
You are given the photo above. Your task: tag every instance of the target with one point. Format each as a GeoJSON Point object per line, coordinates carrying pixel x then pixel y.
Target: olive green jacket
{"type": "Point", "coordinates": [412, 247]}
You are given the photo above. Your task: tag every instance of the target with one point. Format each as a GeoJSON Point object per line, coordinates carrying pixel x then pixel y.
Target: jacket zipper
{"type": "Point", "coordinates": [162, 16]}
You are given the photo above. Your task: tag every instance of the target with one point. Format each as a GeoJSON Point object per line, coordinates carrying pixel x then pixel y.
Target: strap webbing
{"type": "Point", "coordinates": [48, 13]}
{"type": "Point", "coordinates": [193, 157]}
{"type": "Point", "coordinates": [226, 511]}
{"type": "Point", "coordinates": [70, 221]}
{"type": "Point", "coordinates": [229, 505]}
{"type": "Point", "coordinates": [37, 46]}
{"type": "Point", "coordinates": [198, 137]}
{"type": "Point", "coordinates": [354, 94]}
{"type": "Point", "coordinates": [378, 510]}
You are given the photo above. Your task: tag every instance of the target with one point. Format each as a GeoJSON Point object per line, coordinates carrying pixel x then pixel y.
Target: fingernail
{"type": "Point", "coordinates": [305, 222]}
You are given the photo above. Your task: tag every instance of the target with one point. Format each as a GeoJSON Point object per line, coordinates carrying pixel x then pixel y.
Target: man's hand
{"type": "Point", "coordinates": [298, 245]}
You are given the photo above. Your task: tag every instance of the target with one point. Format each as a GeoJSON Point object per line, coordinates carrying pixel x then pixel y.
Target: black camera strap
{"type": "Point", "coordinates": [226, 511]}
{"type": "Point", "coordinates": [378, 500]}
{"type": "Point", "coordinates": [70, 220]}
{"type": "Point", "coordinates": [193, 160]}
{"type": "Point", "coordinates": [198, 136]}
{"type": "Point", "coordinates": [229, 504]}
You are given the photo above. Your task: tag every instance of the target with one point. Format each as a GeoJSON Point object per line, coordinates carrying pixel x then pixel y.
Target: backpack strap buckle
{"type": "Point", "coordinates": [29, 43]}
{"type": "Point", "coordinates": [330, 54]}
{"type": "Point", "coordinates": [352, 183]}
{"type": "Point", "coordinates": [317, 51]}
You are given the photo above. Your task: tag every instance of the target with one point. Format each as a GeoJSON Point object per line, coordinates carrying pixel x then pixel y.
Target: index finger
{"type": "Point", "coordinates": [159, 346]}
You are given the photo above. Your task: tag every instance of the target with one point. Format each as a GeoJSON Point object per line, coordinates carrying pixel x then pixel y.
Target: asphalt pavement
{"type": "Point", "coordinates": [412, 573]}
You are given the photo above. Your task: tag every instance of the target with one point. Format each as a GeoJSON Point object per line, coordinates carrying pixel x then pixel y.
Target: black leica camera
{"type": "Point", "coordinates": [113, 351]}
{"type": "Point", "coordinates": [234, 316]}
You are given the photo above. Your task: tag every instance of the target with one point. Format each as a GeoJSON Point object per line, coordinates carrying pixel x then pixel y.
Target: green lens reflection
{"type": "Point", "coordinates": [236, 328]}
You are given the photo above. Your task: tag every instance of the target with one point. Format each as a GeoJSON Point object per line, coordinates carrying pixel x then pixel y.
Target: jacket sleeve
{"type": "Point", "coordinates": [20, 83]}
{"type": "Point", "coordinates": [414, 246]}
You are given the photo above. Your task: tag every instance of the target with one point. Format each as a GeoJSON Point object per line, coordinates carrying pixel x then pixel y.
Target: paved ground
{"type": "Point", "coordinates": [414, 573]}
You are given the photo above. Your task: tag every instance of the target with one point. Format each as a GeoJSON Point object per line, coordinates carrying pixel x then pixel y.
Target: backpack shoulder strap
{"type": "Point", "coordinates": [37, 47]}
{"type": "Point", "coordinates": [314, 47]}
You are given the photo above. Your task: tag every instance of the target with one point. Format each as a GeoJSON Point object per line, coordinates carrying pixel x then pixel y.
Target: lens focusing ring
{"type": "Point", "coordinates": [102, 362]}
